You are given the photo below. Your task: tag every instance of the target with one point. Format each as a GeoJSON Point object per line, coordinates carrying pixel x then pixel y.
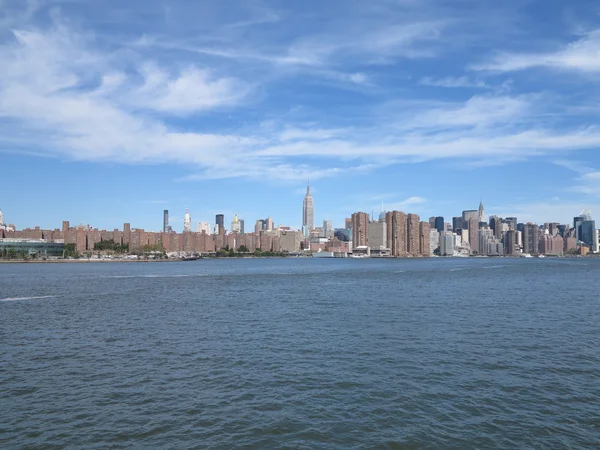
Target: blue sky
{"type": "Point", "coordinates": [113, 111]}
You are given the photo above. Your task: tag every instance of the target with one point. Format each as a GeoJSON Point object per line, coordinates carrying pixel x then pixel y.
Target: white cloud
{"type": "Point", "coordinates": [453, 82]}
{"type": "Point", "coordinates": [581, 55]}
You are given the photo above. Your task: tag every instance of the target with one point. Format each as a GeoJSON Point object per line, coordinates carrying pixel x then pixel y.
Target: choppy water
{"type": "Point", "coordinates": [301, 353]}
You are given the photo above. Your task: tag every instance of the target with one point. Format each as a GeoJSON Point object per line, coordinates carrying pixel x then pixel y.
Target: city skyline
{"type": "Point", "coordinates": [106, 117]}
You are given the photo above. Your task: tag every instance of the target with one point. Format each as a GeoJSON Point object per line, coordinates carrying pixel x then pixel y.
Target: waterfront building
{"type": "Point", "coordinates": [396, 232]}
{"type": "Point", "coordinates": [446, 243]}
{"type": "Point", "coordinates": [308, 212]}
{"type": "Point", "coordinates": [30, 247]}
{"type": "Point", "coordinates": [586, 232]}
{"type": "Point", "coordinates": [531, 238]}
{"type": "Point", "coordinates": [424, 236]}
{"type": "Point", "coordinates": [377, 236]}
{"type": "Point", "coordinates": [434, 241]}
{"type": "Point", "coordinates": [187, 222]}
{"type": "Point", "coordinates": [473, 229]}
{"type": "Point", "coordinates": [412, 234]}
{"type": "Point", "coordinates": [439, 224]}
{"type": "Point", "coordinates": [510, 243]}
{"type": "Point", "coordinates": [360, 229]}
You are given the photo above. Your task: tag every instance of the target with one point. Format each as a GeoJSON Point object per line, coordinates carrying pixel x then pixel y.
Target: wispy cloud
{"type": "Point", "coordinates": [453, 82]}
{"type": "Point", "coordinates": [581, 55]}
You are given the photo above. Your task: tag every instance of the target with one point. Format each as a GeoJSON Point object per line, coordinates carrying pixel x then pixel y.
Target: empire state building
{"type": "Point", "coordinates": [308, 213]}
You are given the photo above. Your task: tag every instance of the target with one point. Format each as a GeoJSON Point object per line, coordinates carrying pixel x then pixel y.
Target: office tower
{"type": "Point", "coordinates": [165, 220]}
{"type": "Point", "coordinates": [473, 227]}
{"type": "Point", "coordinates": [512, 223]}
{"type": "Point", "coordinates": [235, 224]}
{"type": "Point", "coordinates": [187, 222]}
{"type": "Point", "coordinates": [327, 229]}
{"type": "Point", "coordinates": [412, 234]}
{"type": "Point", "coordinates": [481, 212]}
{"type": "Point", "coordinates": [269, 224]}
{"type": "Point", "coordinates": [586, 232]}
{"type": "Point", "coordinates": [396, 230]}
{"type": "Point", "coordinates": [258, 227]}
{"type": "Point", "coordinates": [424, 236]}
{"type": "Point", "coordinates": [468, 215]}
{"type": "Point", "coordinates": [434, 241]}
{"type": "Point", "coordinates": [219, 224]}
{"type": "Point", "coordinates": [308, 212]}
{"type": "Point", "coordinates": [457, 223]}
{"type": "Point", "coordinates": [438, 224]}
{"type": "Point", "coordinates": [242, 226]}
{"type": "Point", "coordinates": [576, 224]}
{"type": "Point", "coordinates": [510, 243]}
{"type": "Point", "coordinates": [432, 222]}
{"type": "Point", "coordinates": [446, 243]}
{"type": "Point", "coordinates": [360, 229]}
{"type": "Point", "coordinates": [531, 238]}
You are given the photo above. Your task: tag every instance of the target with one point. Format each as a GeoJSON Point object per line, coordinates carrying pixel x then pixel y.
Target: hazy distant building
{"type": "Point", "coordinates": [327, 229]}
{"type": "Point", "coordinates": [236, 226]}
{"type": "Point", "coordinates": [481, 212]}
{"type": "Point", "coordinates": [396, 232]}
{"type": "Point", "coordinates": [360, 229]}
{"type": "Point", "coordinates": [468, 215]}
{"type": "Point", "coordinates": [187, 222]}
{"type": "Point", "coordinates": [203, 227]}
{"type": "Point", "coordinates": [308, 212]}
{"type": "Point", "coordinates": [348, 223]}
{"type": "Point", "coordinates": [511, 222]}
{"type": "Point", "coordinates": [219, 224]}
{"type": "Point", "coordinates": [165, 220]}
{"type": "Point", "coordinates": [242, 230]}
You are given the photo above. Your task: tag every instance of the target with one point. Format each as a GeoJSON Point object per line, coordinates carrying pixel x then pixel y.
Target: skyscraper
{"type": "Point", "coordinates": [2, 217]}
{"type": "Point", "coordinates": [481, 212]}
{"type": "Point", "coordinates": [396, 230]}
{"type": "Point", "coordinates": [235, 224]}
{"type": "Point", "coordinates": [412, 234]}
{"type": "Point", "coordinates": [473, 227]}
{"type": "Point", "coordinates": [165, 220]}
{"type": "Point", "coordinates": [439, 224]}
{"type": "Point", "coordinates": [308, 212]}
{"type": "Point", "coordinates": [220, 223]}
{"type": "Point", "coordinates": [457, 224]}
{"type": "Point", "coordinates": [187, 222]}
{"type": "Point", "coordinates": [531, 238]}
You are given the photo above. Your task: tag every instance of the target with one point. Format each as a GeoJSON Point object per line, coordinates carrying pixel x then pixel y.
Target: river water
{"type": "Point", "coordinates": [301, 353]}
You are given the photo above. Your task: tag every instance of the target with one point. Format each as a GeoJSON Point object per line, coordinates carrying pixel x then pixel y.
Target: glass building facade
{"type": "Point", "coordinates": [31, 247]}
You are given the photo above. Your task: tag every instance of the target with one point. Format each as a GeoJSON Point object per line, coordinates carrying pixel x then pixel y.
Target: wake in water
{"type": "Point", "coordinates": [17, 299]}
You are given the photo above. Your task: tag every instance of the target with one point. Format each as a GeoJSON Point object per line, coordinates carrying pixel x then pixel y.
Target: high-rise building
{"type": "Point", "coordinates": [396, 232]}
{"type": "Point", "coordinates": [236, 227]}
{"type": "Point", "coordinates": [424, 236]}
{"type": "Point", "coordinates": [165, 220]}
{"type": "Point", "coordinates": [412, 234]}
{"type": "Point", "coordinates": [531, 239]}
{"type": "Point", "coordinates": [434, 241]}
{"type": "Point", "coordinates": [446, 243]}
{"type": "Point", "coordinates": [259, 226]}
{"type": "Point", "coordinates": [2, 218]}
{"type": "Point", "coordinates": [439, 224]}
{"type": "Point", "coordinates": [360, 229]}
{"type": "Point", "coordinates": [469, 214]}
{"type": "Point", "coordinates": [348, 223]}
{"type": "Point", "coordinates": [457, 223]}
{"type": "Point", "coordinates": [432, 222]}
{"type": "Point", "coordinates": [187, 222]}
{"type": "Point", "coordinates": [219, 224]}
{"type": "Point", "coordinates": [203, 227]}
{"type": "Point", "coordinates": [269, 224]}
{"type": "Point", "coordinates": [510, 242]}
{"type": "Point", "coordinates": [481, 212]}
{"type": "Point", "coordinates": [586, 232]}
{"type": "Point", "coordinates": [512, 223]}
{"type": "Point", "coordinates": [327, 229]}
{"type": "Point", "coordinates": [377, 235]}
{"type": "Point", "coordinates": [473, 227]}
{"type": "Point", "coordinates": [242, 226]}
{"type": "Point", "coordinates": [308, 212]}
